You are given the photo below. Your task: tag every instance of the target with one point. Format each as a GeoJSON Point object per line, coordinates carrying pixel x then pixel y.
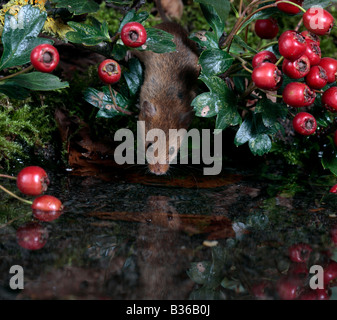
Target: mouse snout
{"type": "Point", "coordinates": [158, 168]}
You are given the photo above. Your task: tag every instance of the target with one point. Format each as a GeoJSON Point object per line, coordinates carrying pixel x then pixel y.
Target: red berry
{"type": "Point", "coordinates": [323, 294]}
{"type": "Point", "coordinates": [292, 45]}
{"type": "Point", "coordinates": [263, 56]}
{"type": "Point", "coordinates": [32, 236]}
{"type": "Point", "coordinates": [330, 272]}
{"type": "Point", "coordinates": [305, 124]}
{"type": "Point", "coordinates": [308, 295]}
{"type": "Point", "coordinates": [266, 28]}
{"type": "Point", "coordinates": [47, 203]}
{"type": "Point", "coordinates": [330, 66]}
{"type": "Point", "coordinates": [296, 69]}
{"type": "Point", "coordinates": [299, 252]}
{"type": "Point", "coordinates": [32, 181]}
{"type": "Point", "coordinates": [298, 94]}
{"type": "Point", "coordinates": [298, 268]}
{"type": "Point", "coordinates": [334, 190]}
{"type": "Point", "coordinates": [44, 57]}
{"type": "Point", "coordinates": [313, 52]}
{"type": "Point", "coordinates": [310, 36]}
{"type": "Point", "coordinates": [289, 287]}
{"type": "Point", "coordinates": [133, 34]}
{"type": "Point", "coordinates": [318, 21]}
{"type": "Point", "coordinates": [109, 71]}
{"type": "Point", "coordinates": [267, 76]}
{"type": "Point", "coordinates": [288, 8]}
{"type": "Point", "coordinates": [329, 99]}
{"type": "Point", "coordinates": [316, 78]}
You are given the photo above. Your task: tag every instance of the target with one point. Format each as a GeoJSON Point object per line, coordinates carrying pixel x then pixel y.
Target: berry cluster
{"type": "Point", "coordinates": [33, 181]}
{"type": "Point", "coordinates": [133, 34]}
{"type": "Point", "coordinates": [312, 75]}
{"type": "Point", "coordinates": [295, 284]}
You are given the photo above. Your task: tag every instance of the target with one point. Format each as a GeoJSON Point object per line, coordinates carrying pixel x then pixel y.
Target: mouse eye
{"type": "Point", "coordinates": [171, 150]}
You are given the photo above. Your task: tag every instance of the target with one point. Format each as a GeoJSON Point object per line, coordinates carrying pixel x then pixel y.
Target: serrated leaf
{"type": "Point", "coordinates": [19, 36]}
{"type": "Point", "coordinates": [227, 116]}
{"type": "Point", "coordinates": [88, 34]}
{"type": "Point", "coordinates": [215, 61]}
{"type": "Point", "coordinates": [37, 81]}
{"type": "Point", "coordinates": [77, 7]}
{"type": "Point", "coordinates": [245, 132]}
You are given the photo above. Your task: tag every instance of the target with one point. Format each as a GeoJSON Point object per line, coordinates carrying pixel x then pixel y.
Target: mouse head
{"type": "Point", "coordinates": [163, 138]}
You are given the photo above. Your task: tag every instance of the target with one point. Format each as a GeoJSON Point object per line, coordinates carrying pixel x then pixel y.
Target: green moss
{"type": "Point", "coordinates": [22, 127]}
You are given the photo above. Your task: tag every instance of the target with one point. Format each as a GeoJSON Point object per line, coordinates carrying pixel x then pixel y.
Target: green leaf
{"type": "Point", "coordinates": [227, 116]}
{"type": "Point", "coordinates": [213, 19]}
{"type": "Point", "coordinates": [206, 40]}
{"type": "Point", "coordinates": [215, 61]}
{"type": "Point", "coordinates": [37, 81]}
{"type": "Point", "coordinates": [19, 36]}
{"type": "Point", "coordinates": [133, 16]}
{"type": "Point", "coordinates": [260, 144]}
{"type": "Point", "coordinates": [11, 90]}
{"type": "Point", "coordinates": [88, 34]}
{"type": "Point", "coordinates": [221, 7]}
{"type": "Point", "coordinates": [206, 105]}
{"type": "Point", "coordinates": [77, 7]}
{"type": "Point", "coordinates": [254, 132]}
{"type": "Point", "coordinates": [243, 44]}
{"type": "Point", "coordinates": [329, 160]}
{"type": "Point", "coordinates": [307, 4]}
{"type": "Point", "coordinates": [134, 77]}
{"type": "Point", "coordinates": [103, 101]}
{"type": "Point", "coordinates": [159, 41]}
{"type": "Point", "coordinates": [271, 112]}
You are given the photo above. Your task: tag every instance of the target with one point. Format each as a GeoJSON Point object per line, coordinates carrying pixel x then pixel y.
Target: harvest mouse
{"type": "Point", "coordinates": [168, 89]}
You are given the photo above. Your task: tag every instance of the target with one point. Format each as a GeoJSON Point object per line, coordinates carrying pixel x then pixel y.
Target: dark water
{"type": "Point", "coordinates": [127, 239]}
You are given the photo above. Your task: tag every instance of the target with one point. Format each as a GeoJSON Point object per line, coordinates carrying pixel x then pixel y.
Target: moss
{"type": "Point", "coordinates": [22, 127]}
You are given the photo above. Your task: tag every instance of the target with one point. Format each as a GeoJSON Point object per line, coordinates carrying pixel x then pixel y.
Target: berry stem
{"type": "Point", "coordinates": [115, 106]}
{"type": "Point", "coordinates": [17, 73]}
{"type": "Point", "coordinates": [279, 61]}
{"type": "Point", "coordinates": [15, 196]}
{"type": "Point", "coordinates": [7, 176]}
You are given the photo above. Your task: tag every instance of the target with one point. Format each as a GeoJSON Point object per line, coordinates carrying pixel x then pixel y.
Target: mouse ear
{"type": "Point", "coordinates": [186, 118]}
{"type": "Point", "coordinates": [148, 108]}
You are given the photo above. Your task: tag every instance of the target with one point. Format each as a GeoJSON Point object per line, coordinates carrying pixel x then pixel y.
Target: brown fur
{"type": "Point", "coordinates": [169, 87]}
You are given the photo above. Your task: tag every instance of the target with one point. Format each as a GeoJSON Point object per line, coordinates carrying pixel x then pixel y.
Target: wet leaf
{"type": "Point", "coordinates": [133, 16]}
{"type": "Point", "coordinates": [206, 40]}
{"type": "Point", "coordinates": [89, 35]}
{"type": "Point", "coordinates": [215, 14]}
{"type": "Point", "coordinates": [134, 76]}
{"type": "Point", "coordinates": [19, 36]}
{"type": "Point", "coordinates": [77, 6]}
{"type": "Point", "coordinates": [215, 61]}
{"type": "Point", "coordinates": [159, 41]}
